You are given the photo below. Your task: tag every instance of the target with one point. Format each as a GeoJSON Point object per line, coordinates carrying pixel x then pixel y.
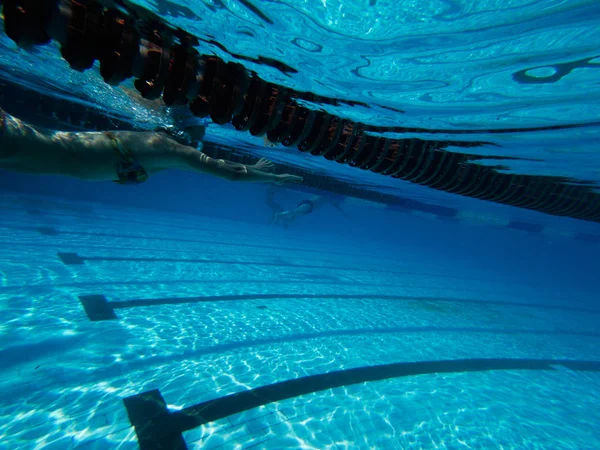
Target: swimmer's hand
{"type": "Point", "coordinates": [264, 165]}
{"type": "Point", "coordinates": [286, 178]}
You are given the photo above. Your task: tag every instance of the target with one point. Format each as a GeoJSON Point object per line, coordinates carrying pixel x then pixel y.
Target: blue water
{"type": "Point", "coordinates": [416, 331]}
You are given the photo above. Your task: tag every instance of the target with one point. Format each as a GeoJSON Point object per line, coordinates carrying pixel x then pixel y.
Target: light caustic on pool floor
{"type": "Point", "coordinates": [331, 367]}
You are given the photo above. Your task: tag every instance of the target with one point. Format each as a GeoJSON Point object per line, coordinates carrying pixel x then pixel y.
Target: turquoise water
{"type": "Point", "coordinates": [373, 328]}
{"type": "Point", "coordinates": [64, 377]}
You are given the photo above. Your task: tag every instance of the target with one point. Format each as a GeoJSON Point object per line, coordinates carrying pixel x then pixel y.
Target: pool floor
{"type": "Point", "coordinates": [125, 328]}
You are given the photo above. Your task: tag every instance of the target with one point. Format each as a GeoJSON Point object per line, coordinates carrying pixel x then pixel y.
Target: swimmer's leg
{"type": "Point", "coordinates": [276, 208]}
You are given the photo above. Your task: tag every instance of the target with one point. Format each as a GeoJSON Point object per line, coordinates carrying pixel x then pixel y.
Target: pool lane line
{"type": "Point", "coordinates": [98, 308]}
{"type": "Point", "coordinates": [74, 259]}
{"type": "Point", "coordinates": [533, 228]}
{"type": "Point", "coordinates": [307, 279]}
{"type": "Point", "coordinates": [157, 427]}
{"type": "Point", "coordinates": [77, 260]}
{"type": "Point", "coordinates": [117, 369]}
{"type": "Point", "coordinates": [121, 368]}
{"type": "Point", "coordinates": [47, 231]}
{"type": "Point", "coordinates": [199, 228]}
{"type": "Point", "coordinates": [171, 250]}
{"type": "Point", "coordinates": [51, 231]}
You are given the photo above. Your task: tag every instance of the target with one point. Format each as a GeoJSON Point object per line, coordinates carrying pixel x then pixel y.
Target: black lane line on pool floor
{"type": "Point", "coordinates": [200, 228]}
{"type": "Point", "coordinates": [98, 308]}
{"type": "Point", "coordinates": [514, 224]}
{"type": "Point", "coordinates": [74, 259]}
{"type": "Point", "coordinates": [157, 427]}
{"type": "Point", "coordinates": [49, 231]}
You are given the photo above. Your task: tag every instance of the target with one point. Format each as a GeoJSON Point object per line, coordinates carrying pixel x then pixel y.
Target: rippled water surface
{"type": "Point", "coordinates": [525, 70]}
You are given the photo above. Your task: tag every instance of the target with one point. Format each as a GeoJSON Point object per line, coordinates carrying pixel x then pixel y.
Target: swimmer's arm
{"type": "Point", "coordinates": [199, 162]}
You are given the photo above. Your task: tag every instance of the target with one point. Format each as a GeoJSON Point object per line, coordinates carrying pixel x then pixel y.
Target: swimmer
{"type": "Point", "coordinates": [285, 217]}
{"type": "Point", "coordinates": [126, 157]}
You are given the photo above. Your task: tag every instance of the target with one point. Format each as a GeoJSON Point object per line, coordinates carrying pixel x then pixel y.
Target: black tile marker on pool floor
{"type": "Point", "coordinates": [158, 428]}
{"type": "Point", "coordinates": [98, 308]}
{"type": "Point", "coordinates": [71, 259]}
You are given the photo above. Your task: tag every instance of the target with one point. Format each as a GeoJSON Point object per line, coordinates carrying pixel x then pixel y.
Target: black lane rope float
{"type": "Point", "coordinates": [130, 42]}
